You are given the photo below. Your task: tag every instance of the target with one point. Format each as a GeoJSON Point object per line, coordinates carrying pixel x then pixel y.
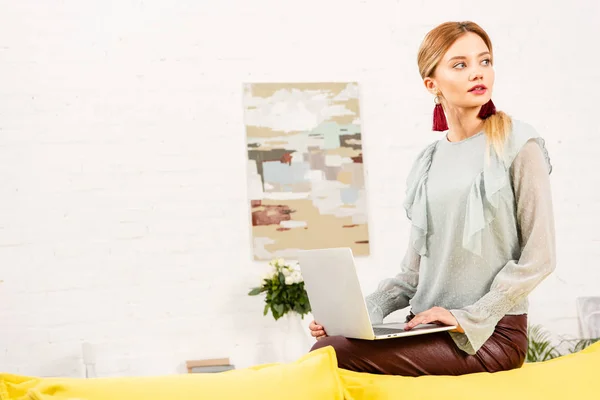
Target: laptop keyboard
{"type": "Point", "coordinates": [386, 331]}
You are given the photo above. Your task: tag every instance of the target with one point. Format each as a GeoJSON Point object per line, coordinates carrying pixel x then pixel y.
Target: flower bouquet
{"type": "Point", "coordinates": [284, 288]}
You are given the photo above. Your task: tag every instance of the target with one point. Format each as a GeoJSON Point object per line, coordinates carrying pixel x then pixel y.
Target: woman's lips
{"type": "Point", "coordinates": [478, 91]}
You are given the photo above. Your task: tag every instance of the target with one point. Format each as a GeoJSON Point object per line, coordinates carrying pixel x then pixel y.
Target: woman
{"type": "Point", "coordinates": [482, 227]}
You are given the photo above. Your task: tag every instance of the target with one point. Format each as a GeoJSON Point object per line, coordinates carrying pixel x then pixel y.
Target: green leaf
{"type": "Point", "coordinates": [540, 347]}
{"type": "Point", "coordinates": [279, 308]}
{"type": "Point", "coordinates": [256, 291]}
{"type": "Point", "coordinates": [281, 298]}
{"type": "Point", "coordinates": [583, 343]}
{"type": "Point", "coordinates": [276, 314]}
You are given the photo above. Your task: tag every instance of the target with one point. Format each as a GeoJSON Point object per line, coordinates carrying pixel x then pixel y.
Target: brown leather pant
{"type": "Point", "coordinates": [433, 353]}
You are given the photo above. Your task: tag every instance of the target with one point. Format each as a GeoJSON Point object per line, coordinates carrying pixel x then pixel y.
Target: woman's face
{"type": "Point", "coordinates": [466, 63]}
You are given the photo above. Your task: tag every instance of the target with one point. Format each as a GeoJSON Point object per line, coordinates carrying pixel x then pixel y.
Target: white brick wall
{"type": "Point", "coordinates": [123, 212]}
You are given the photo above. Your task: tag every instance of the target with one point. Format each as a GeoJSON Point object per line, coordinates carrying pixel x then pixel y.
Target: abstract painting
{"type": "Point", "coordinates": [305, 175]}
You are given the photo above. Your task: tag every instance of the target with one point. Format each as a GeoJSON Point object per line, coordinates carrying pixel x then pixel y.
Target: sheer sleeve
{"type": "Point", "coordinates": [531, 184]}
{"type": "Point", "coordinates": [395, 293]}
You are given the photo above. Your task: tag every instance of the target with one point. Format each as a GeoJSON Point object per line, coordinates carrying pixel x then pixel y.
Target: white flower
{"type": "Point", "coordinates": [266, 275]}
{"type": "Point", "coordinates": [270, 273]}
{"type": "Point", "coordinates": [297, 277]}
{"type": "Point", "coordinates": [286, 271]}
{"type": "Point", "coordinates": [293, 277]}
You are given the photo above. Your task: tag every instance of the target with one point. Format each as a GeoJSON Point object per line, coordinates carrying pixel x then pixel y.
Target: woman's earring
{"type": "Point", "coordinates": [487, 110]}
{"type": "Point", "coordinates": [439, 119]}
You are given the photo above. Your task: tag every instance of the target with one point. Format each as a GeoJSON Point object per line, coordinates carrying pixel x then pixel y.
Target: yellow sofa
{"type": "Point", "coordinates": [315, 376]}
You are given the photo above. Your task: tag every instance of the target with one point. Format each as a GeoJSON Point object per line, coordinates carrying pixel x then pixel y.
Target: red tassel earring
{"type": "Point", "coordinates": [439, 119]}
{"type": "Point", "coordinates": [487, 110]}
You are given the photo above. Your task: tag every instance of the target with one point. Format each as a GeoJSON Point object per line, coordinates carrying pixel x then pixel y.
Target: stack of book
{"type": "Point", "coordinates": [208, 366]}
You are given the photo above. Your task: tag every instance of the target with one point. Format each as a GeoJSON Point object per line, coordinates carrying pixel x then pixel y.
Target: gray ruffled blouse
{"type": "Point", "coordinates": [482, 233]}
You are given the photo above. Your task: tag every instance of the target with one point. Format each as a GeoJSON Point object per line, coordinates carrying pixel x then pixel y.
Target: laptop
{"type": "Point", "coordinates": [337, 301]}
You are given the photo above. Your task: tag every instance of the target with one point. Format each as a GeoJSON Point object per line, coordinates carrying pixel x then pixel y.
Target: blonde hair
{"type": "Point", "coordinates": [435, 44]}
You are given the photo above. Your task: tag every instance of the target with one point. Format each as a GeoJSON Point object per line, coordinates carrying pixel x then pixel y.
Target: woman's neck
{"type": "Point", "coordinates": [465, 125]}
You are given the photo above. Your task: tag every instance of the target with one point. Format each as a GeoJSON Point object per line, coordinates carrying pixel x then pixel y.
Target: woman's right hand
{"type": "Point", "coordinates": [317, 331]}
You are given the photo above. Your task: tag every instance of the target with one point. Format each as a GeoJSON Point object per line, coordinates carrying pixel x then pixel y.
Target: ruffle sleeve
{"type": "Point", "coordinates": [484, 195]}
{"type": "Point", "coordinates": [530, 178]}
{"type": "Point", "coordinates": [415, 201]}
{"type": "Point", "coordinates": [395, 293]}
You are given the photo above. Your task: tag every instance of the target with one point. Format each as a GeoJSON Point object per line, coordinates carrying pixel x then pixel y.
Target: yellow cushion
{"type": "Point", "coordinates": [572, 376]}
{"type": "Point", "coordinates": [313, 376]}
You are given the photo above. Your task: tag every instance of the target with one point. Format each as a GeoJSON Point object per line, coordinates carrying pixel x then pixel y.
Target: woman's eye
{"type": "Point", "coordinates": [462, 63]}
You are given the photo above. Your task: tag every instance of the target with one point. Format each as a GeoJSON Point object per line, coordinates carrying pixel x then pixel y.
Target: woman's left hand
{"type": "Point", "coordinates": [433, 315]}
